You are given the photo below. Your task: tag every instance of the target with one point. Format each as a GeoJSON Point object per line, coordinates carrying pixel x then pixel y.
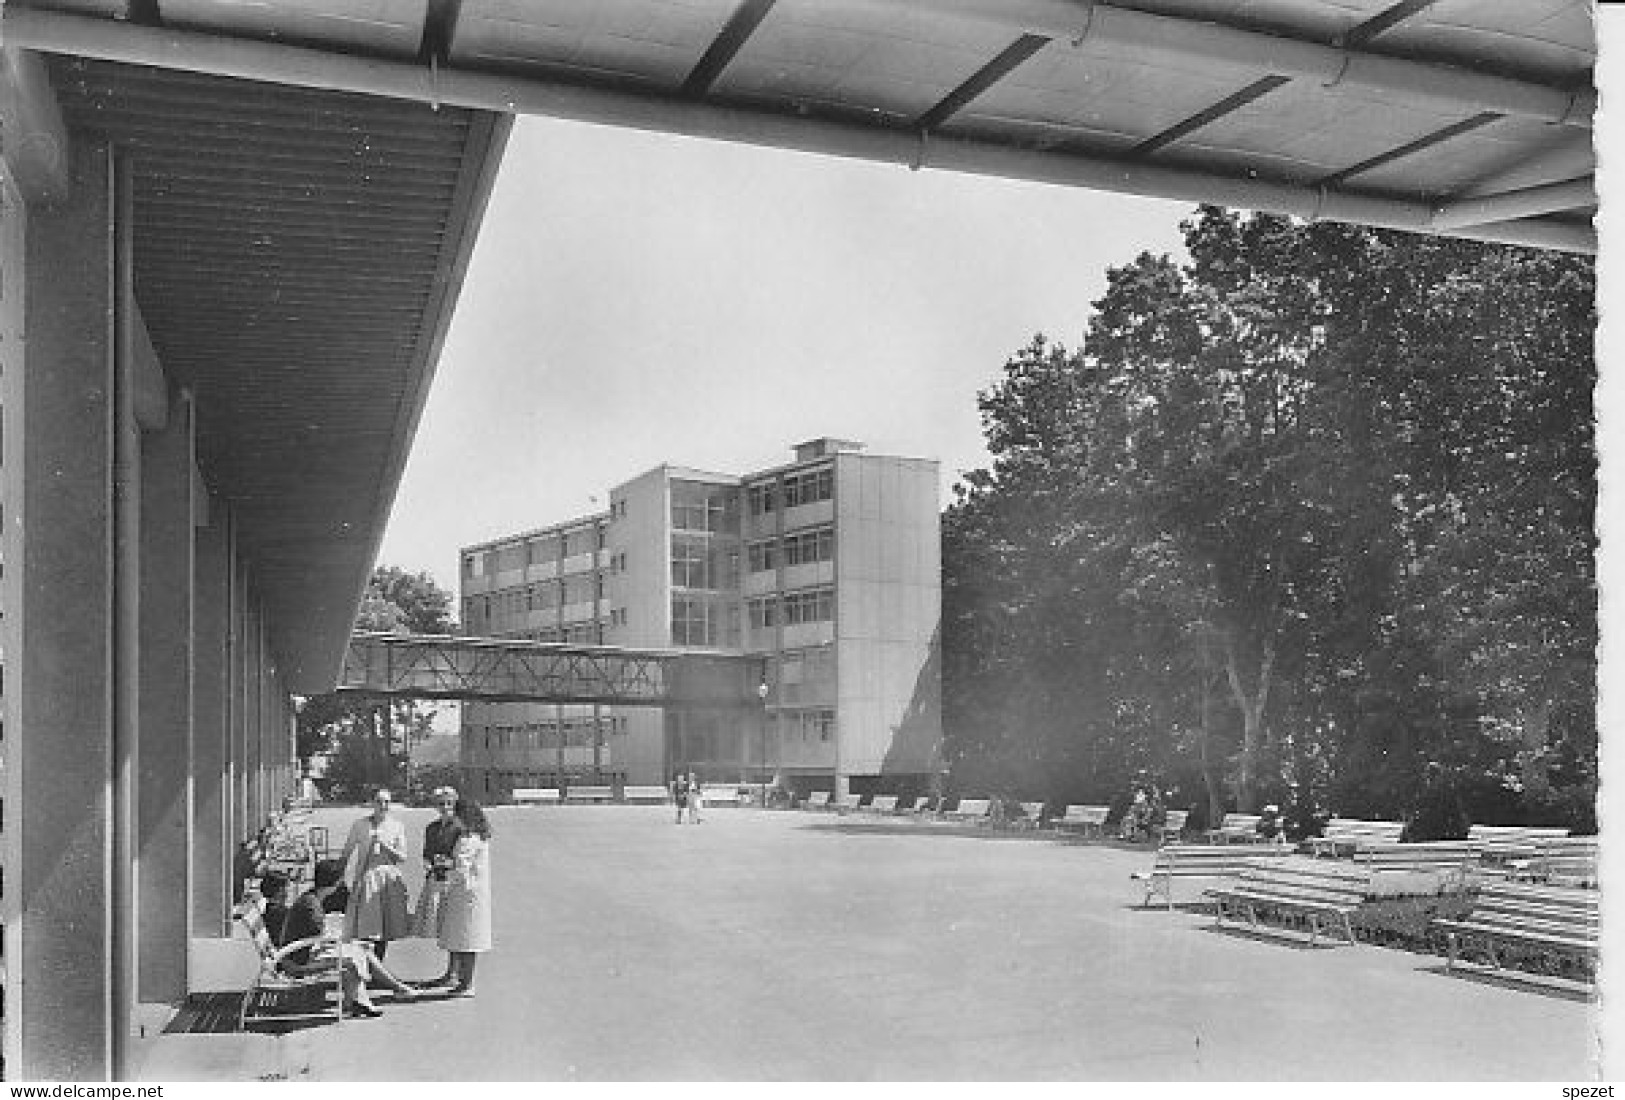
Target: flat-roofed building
{"type": "Point", "coordinates": [826, 571]}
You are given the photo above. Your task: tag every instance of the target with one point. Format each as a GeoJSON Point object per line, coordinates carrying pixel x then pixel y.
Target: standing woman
{"type": "Point", "coordinates": [465, 929]}
{"type": "Point", "coordinates": [373, 854]}
{"type": "Point", "coordinates": [439, 847]}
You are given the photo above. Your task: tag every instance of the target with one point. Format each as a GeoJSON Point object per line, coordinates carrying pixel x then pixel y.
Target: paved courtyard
{"type": "Point", "coordinates": [798, 946]}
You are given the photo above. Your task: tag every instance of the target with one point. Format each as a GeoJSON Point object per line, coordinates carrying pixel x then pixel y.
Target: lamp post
{"type": "Point", "coordinates": [762, 691]}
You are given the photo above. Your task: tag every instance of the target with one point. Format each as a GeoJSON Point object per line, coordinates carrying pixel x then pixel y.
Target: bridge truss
{"type": "Point", "coordinates": [513, 670]}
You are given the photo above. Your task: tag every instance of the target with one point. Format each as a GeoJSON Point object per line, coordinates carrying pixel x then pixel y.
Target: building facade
{"type": "Point", "coordinates": [826, 572]}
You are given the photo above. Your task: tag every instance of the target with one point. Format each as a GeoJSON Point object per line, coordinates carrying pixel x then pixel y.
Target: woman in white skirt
{"type": "Point", "coordinates": [465, 924]}
{"type": "Point", "coordinates": [373, 854]}
{"type": "Point", "coordinates": [439, 848]}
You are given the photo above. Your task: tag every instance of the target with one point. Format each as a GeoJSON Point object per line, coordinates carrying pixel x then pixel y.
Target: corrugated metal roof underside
{"type": "Point", "coordinates": [294, 250]}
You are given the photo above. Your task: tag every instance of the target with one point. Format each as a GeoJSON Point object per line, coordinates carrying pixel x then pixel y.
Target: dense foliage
{"type": "Point", "coordinates": [1307, 519]}
{"type": "Point", "coordinates": [367, 741]}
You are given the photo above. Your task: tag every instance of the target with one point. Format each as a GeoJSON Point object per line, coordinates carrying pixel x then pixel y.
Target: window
{"type": "Point", "coordinates": [581, 541]}
{"type": "Point", "coordinates": [544, 549]}
{"type": "Point", "coordinates": [763, 498]}
{"type": "Point", "coordinates": [763, 556]}
{"type": "Point", "coordinates": [809, 605]}
{"type": "Point", "coordinates": [763, 612]}
{"type": "Point", "coordinates": [474, 564]}
{"type": "Point", "coordinates": [690, 622]}
{"type": "Point", "coordinates": [814, 485]}
{"type": "Point", "coordinates": [690, 562]}
{"type": "Point", "coordinates": [698, 507]}
{"type": "Point", "coordinates": [806, 547]}
{"type": "Point", "coordinates": [578, 588]}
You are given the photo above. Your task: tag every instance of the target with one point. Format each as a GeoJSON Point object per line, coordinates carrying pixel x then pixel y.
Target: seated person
{"type": "Point", "coordinates": [274, 891]}
{"type": "Point", "coordinates": [1269, 824]}
{"type": "Point", "coordinates": [306, 918]}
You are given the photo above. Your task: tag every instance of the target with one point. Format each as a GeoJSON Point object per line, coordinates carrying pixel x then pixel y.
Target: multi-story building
{"type": "Point", "coordinates": [826, 571]}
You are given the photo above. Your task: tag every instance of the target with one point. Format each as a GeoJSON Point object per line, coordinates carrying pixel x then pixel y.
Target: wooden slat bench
{"type": "Point", "coordinates": [1501, 843]}
{"type": "Point", "coordinates": [1346, 835]}
{"type": "Point", "coordinates": [1173, 825]}
{"type": "Point", "coordinates": [324, 974]}
{"type": "Point", "coordinates": [976, 810]}
{"type": "Point", "coordinates": [1032, 816]}
{"type": "Point", "coordinates": [1450, 860]}
{"type": "Point", "coordinates": [1565, 860]}
{"type": "Point", "coordinates": [589, 794]}
{"type": "Point", "coordinates": [1209, 861]}
{"type": "Point", "coordinates": [848, 803]}
{"type": "Point", "coordinates": [1085, 819]}
{"type": "Point", "coordinates": [646, 794]}
{"type": "Point", "coordinates": [882, 804]}
{"type": "Point", "coordinates": [720, 794]}
{"type": "Point", "coordinates": [817, 800]}
{"type": "Point", "coordinates": [1236, 829]}
{"type": "Point", "coordinates": [535, 795]}
{"type": "Point", "coordinates": [1319, 893]}
{"type": "Point", "coordinates": [1561, 918]}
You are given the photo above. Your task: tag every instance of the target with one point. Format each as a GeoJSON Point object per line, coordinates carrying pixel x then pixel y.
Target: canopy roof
{"type": "Point", "coordinates": [1469, 117]}
{"type": "Point", "coordinates": [310, 172]}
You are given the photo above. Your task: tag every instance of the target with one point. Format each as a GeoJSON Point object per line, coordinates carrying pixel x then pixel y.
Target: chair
{"type": "Point", "coordinates": [322, 974]}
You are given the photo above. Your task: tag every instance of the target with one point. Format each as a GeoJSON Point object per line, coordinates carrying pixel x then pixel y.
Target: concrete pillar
{"type": "Point", "coordinates": [164, 795]}
{"type": "Point", "coordinates": [211, 772]}
{"type": "Point", "coordinates": [253, 714]}
{"type": "Point", "coordinates": [68, 1024]}
{"type": "Point", "coordinates": [237, 700]}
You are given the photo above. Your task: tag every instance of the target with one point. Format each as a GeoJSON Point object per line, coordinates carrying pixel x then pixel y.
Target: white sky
{"type": "Point", "coordinates": [636, 299]}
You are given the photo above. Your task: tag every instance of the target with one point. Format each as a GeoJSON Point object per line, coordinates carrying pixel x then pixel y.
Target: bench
{"type": "Point", "coordinates": [817, 800]}
{"type": "Point", "coordinates": [1173, 825]}
{"type": "Point", "coordinates": [1565, 860]}
{"type": "Point", "coordinates": [882, 804]}
{"type": "Point", "coordinates": [1561, 918]}
{"type": "Point", "coordinates": [923, 807]}
{"type": "Point", "coordinates": [322, 974]}
{"type": "Point", "coordinates": [721, 794]}
{"type": "Point", "coordinates": [1349, 834]}
{"type": "Point", "coordinates": [1032, 816]}
{"type": "Point", "coordinates": [645, 794]}
{"type": "Point", "coordinates": [537, 795]}
{"type": "Point", "coordinates": [1084, 819]}
{"type": "Point", "coordinates": [975, 810]}
{"type": "Point", "coordinates": [847, 803]}
{"type": "Point", "coordinates": [589, 794]}
{"type": "Point", "coordinates": [1175, 861]}
{"type": "Point", "coordinates": [1319, 893]}
{"type": "Point", "coordinates": [1448, 860]}
{"type": "Point", "coordinates": [1501, 843]}
{"type": "Point", "coordinates": [1236, 829]}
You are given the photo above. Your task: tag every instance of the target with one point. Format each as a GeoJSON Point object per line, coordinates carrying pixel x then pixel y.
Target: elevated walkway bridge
{"type": "Point", "coordinates": [509, 670]}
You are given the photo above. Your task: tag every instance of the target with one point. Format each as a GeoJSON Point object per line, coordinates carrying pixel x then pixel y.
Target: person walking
{"type": "Point", "coordinates": [696, 798]}
{"type": "Point", "coordinates": [465, 928]}
{"type": "Point", "coordinates": [373, 853]}
{"type": "Point", "coordinates": [679, 794]}
{"type": "Point", "coordinates": [439, 849]}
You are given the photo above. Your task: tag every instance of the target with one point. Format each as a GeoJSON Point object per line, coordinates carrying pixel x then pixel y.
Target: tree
{"type": "Point", "coordinates": [1341, 475]}
{"type": "Point", "coordinates": [368, 740]}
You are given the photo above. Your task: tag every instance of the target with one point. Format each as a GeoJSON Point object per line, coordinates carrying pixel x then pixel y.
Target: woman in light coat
{"type": "Point", "coordinates": [373, 854]}
{"type": "Point", "coordinates": [465, 924]}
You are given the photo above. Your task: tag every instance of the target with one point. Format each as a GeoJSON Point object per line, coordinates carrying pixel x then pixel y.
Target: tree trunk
{"type": "Point", "coordinates": [1252, 706]}
{"type": "Point", "coordinates": [1210, 779]}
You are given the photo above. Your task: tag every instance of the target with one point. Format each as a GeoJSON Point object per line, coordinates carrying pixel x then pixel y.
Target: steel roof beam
{"type": "Point", "coordinates": [726, 46]}
{"type": "Point", "coordinates": [1122, 29]}
{"type": "Point", "coordinates": [1528, 202]}
{"type": "Point", "coordinates": [647, 110]}
{"type": "Point", "coordinates": [1381, 23]}
{"type": "Point", "coordinates": [1230, 104]}
{"type": "Point", "coordinates": [981, 80]}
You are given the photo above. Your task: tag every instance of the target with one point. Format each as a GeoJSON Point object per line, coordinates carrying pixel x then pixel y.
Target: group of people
{"type": "Point", "coordinates": [687, 795]}
{"type": "Point", "coordinates": [367, 885]}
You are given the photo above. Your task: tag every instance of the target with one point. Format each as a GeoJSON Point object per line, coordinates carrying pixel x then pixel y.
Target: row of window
{"type": "Point", "coordinates": [535, 551]}
{"type": "Point", "coordinates": [701, 562]}
{"type": "Point", "coordinates": [577, 732]}
{"type": "Point", "coordinates": [703, 622]}
{"type": "Point", "coordinates": [543, 596]}
{"type": "Point", "coordinates": [696, 506]}
{"type": "Point", "coordinates": [797, 489]}
{"type": "Point", "coordinates": [808, 605]}
{"type": "Point", "coordinates": [802, 548]}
